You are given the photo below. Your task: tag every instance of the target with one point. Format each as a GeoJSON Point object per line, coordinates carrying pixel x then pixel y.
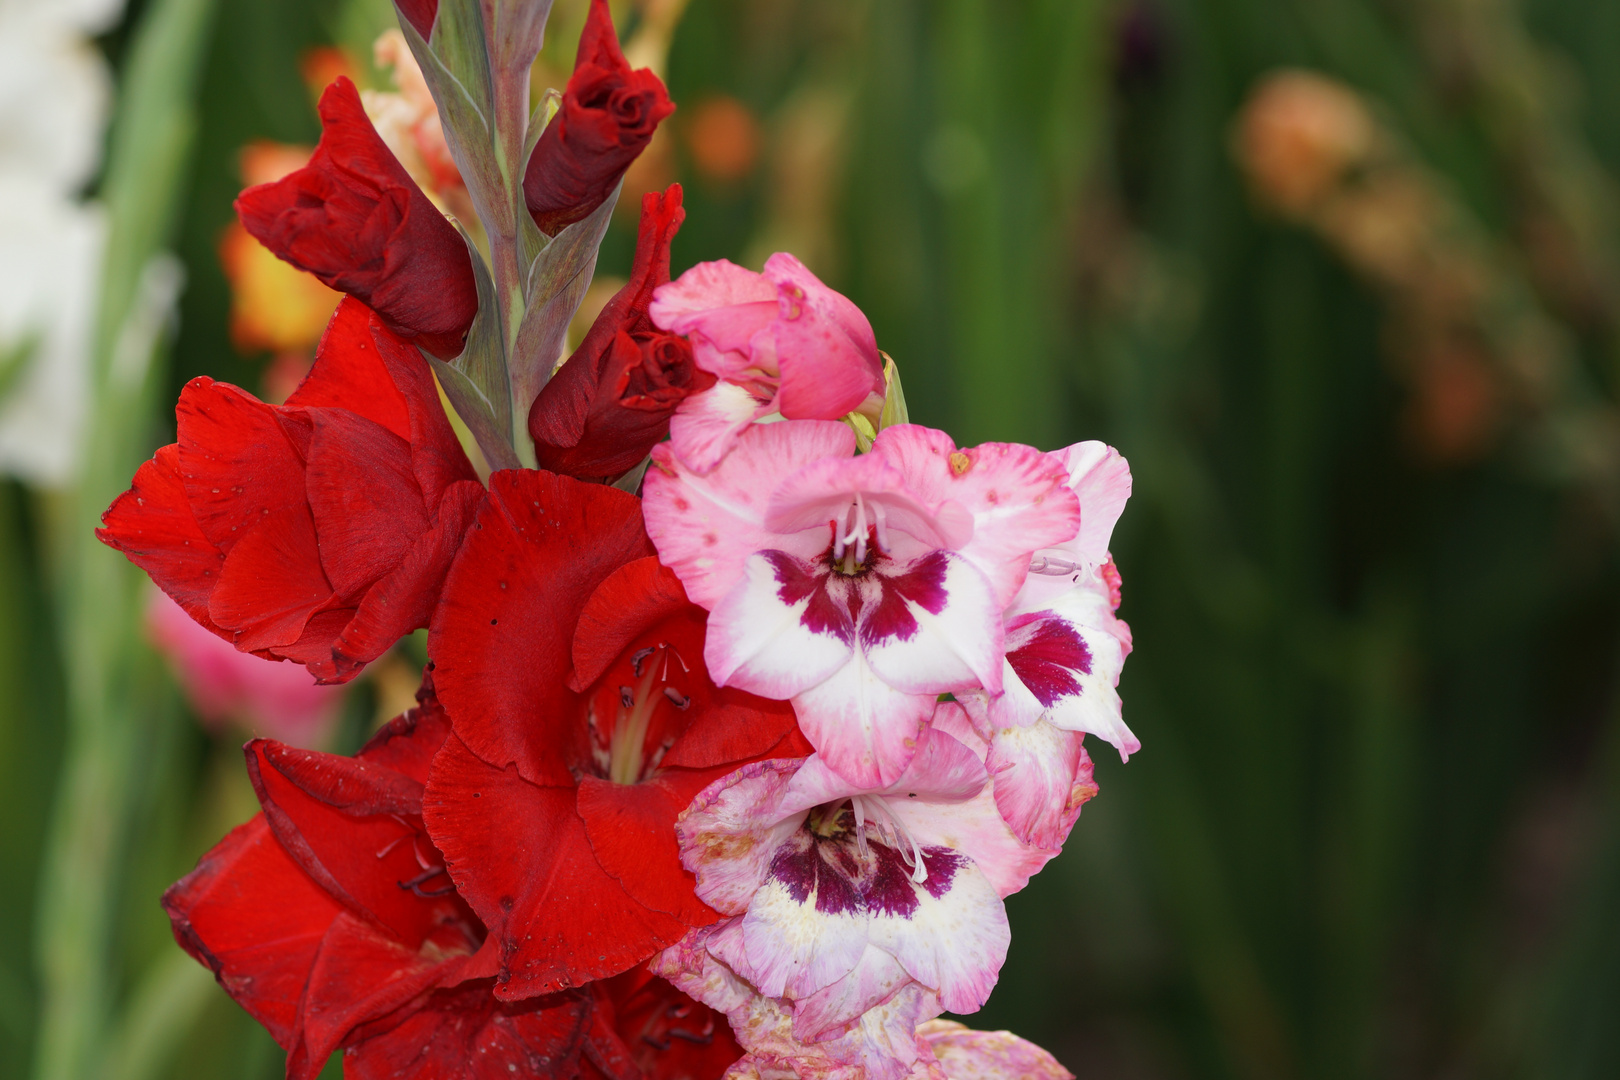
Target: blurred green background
{"type": "Point", "coordinates": [1358, 335]}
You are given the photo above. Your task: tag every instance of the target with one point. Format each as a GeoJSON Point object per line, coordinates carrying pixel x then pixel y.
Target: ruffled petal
{"type": "Point", "coordinates": [778, 633]}
{"type": "Point", "coordinates": [706, 426]}
{"type": "Point", "coordinates": [864, 728]}
{"type": "Point", "coordinates": [706, 526]}
{"type": "Point", "coordinates": [1016, 495]}
{"type": "Point", "coordinates": [825, 347]}
{"type": "Point", "coordinates": [965, 1054]}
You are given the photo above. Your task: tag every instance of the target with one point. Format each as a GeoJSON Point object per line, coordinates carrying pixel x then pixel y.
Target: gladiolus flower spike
{"type": "Point", "coordinates": [721, 769]}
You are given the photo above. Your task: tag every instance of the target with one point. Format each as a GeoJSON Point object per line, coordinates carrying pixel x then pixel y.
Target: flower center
{"type": "Point", "coordinates": [869, 813]}
{"type": "Point", "coordinates": [862, 531]}
{"type": "Point", "coordinates": [624, 759]}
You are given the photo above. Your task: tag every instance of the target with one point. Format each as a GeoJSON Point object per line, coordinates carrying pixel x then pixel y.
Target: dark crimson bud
{"type": "Point", "coordinates": [607, 117]}
{"type": "Point", "coordinates": [355, 219]}
{"type": "Point", "coordinates": [420, 14]}
{"type": "Point", "coordinates": [611, 402]}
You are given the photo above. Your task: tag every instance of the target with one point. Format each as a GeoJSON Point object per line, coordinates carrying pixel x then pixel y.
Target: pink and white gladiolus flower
{"type": "Point", "coordinates": [1065, 649]}
{"type": "Point", "coordinates": [779, 342]}
{"type": "Point", "coordinates": [851, 914]}
{"type": "Point", "coordinates": [861, 588]}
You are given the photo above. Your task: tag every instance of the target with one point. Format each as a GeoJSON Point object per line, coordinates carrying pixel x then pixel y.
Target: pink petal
{"type": "Point", "coordinates": [1083, 698]}
{"type": "Point", "coordinates": [955, 940]}
{"type": "Point", "coordinates": [679, 305]}
{"type": "Point", "coordinates": [964, 1054]}
{"type": "Point", "coordinates": [792, 948]}
{"type": "Point", "coordinates": [824, 491]}
{"type": "Point", "coordinates": [865, 729]}
{"type": "Point", "coordinates": [705, 426]}
{"type": "Point", "coordinates": [706, 526]}
{"type": "Point", "coordinates": [1042, 776]}
{"type": "Point", "coordinates": [732, 829]}
{"type": "Point", "coordinates": [1101, 478]}
{"type": "Point", "coordinates": [825, 348]}
{"type": "Point", "coordinates": [942, 770]}
{"type": "Point", "coordinates": [936, 628]}
{"type": "Point", "coordinates": [1016, 495]}
{"type": "Point", "coordinates": [776, 634]}
{"type": "Point", "coordinates": [874, 978]}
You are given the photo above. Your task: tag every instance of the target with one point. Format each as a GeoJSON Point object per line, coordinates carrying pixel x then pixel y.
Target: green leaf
{"type": "Point", "coordinates": [556, 285]}
{"type": "Point", "coordinates": [476, 381]}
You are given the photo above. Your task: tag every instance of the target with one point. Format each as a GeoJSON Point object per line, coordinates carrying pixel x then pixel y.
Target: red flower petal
{"type": "Point", "coordinates": [630, 601]}
{"type": "Point", "coordinates": [405, 598]}
{"type": "Point", "coordinates": [271, 582]}
{"type": "Point", "coordinates": [349, 372]}
{"type": "Point", "coordinates": [632, 832]}
{"type": "Point", "coordinates": [152, 524]}
{"type": "Point", "coordinates": [235, 459]}
{"type": "Point", "coordinates": [534, 880]}
{"type": "Point", "coordinates": [500, 638]}
{"type": "Point", "coordinates": [260, 952]}
{"type": "Point", "coordinates": [466, 1034]}
{"type": "Point", "coordinates": [366, 527]}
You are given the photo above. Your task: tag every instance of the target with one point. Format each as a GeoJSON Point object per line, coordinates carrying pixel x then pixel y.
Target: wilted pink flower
{"type": "Point", "coordinates": [780, 342]}
{"type": "Point", "coordinates": [271, 698]}
{"type": "Point", "coordinates": [861, 588]}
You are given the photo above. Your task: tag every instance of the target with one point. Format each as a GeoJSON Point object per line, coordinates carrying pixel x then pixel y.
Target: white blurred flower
{"type": "Point", "coordinates": [54, 97]}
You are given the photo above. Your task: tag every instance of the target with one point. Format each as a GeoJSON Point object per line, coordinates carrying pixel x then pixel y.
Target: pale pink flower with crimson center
{"type": "Point", "coordinates": [852, 914]}
{"type": "Point", "coordinates": [861, 588]}
{"type": "Point", "coordinates": [779, 342]}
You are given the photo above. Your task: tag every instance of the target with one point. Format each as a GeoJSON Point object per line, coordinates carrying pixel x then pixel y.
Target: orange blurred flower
{"type": "Point", "coordinates": [322, 65]}
{"type": "Point", "coordinates": [1298, 134]}
{"type": "Point", "coordinates": [275, 307]}
{"type": "Point", "coordinates": [723, 137]}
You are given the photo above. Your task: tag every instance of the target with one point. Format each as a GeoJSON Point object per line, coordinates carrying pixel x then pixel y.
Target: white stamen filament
{"type": "Point", "coordinates": [1044, 564]}
{"type": "Point", "coordinates": [890, 829]}
{"type": "Point", "coordinates": [856, 534]}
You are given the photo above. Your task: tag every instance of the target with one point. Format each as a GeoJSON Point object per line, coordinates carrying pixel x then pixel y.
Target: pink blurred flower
{"type": "Point", "coordinates": [780, 342]}
{"type": "Point", "coordinates": [271, 698]}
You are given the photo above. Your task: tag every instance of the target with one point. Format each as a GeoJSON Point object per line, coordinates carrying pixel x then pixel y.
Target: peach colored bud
{"type": "Point", "coordinates": [1298, 134]}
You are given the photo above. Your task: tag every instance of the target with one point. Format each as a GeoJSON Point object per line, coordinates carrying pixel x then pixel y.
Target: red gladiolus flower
{"type": "Point", "coordinates": [585, 721]}
{"type": "Point", "coordinates": [355, 219]}
{"type": "Point", "coordinates": [608, 116]}
{"type": "Point", "coordinates": [318, 531]}
{"type": "Point", "coordinates": [611, 402]}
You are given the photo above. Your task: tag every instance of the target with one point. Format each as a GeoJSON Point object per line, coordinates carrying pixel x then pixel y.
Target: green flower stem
{"type": "Point", "coordinates": [99, 592]}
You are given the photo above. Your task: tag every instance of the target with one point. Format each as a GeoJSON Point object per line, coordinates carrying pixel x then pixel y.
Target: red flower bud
{"type": "Point", "coordinates": [420, 14]}
{"type": "Point", "coordinates": [355, 219]}
{"type": "Point", "coordinates": [611, 402]}
{"type": "Point", "coordinates": [608, 116]}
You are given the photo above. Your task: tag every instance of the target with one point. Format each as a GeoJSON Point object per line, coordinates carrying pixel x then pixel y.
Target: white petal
{"type": "Point", "coordinates": [863, 728]}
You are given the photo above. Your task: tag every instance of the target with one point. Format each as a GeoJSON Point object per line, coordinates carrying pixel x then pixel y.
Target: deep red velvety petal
{"type": "Point", "coordinates": [314, 645]}
{"type": "Point", "coordinates": [631, 828]}
{"type": "Point", "coordinates": [420, 14]}
{"type": "Point", "coordinates": [355, 219]}
{"type": "Point", "coordinates": [363, 497]}
{"type": "Point", "coordinates": [500, 639]}
{"type": "Point", "coordinates": [408, 742]}
{"type": "Point", "coordinates": [404, 599]}
{"type": "Point", "coordinates": [235, 460]}
{"type": "Point", "coordinates": [256, 921]}
{"type": "Point", "coordinates": [465, 1034]}
{"type": "Point", "coordinates": [153, 526]}
{"type": "Point", "coordinates": [360, 974]}
{"type": "Point", "coordinates": [519, 855]}
{"type": "Point", "coordinates": [349, 825]}
{"type": "Point", "coordinates": [629, 602]}
{"type": "Point", "coordinates": [350, 372]}
{"type": "Point", "coordinates": [271, 582]}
